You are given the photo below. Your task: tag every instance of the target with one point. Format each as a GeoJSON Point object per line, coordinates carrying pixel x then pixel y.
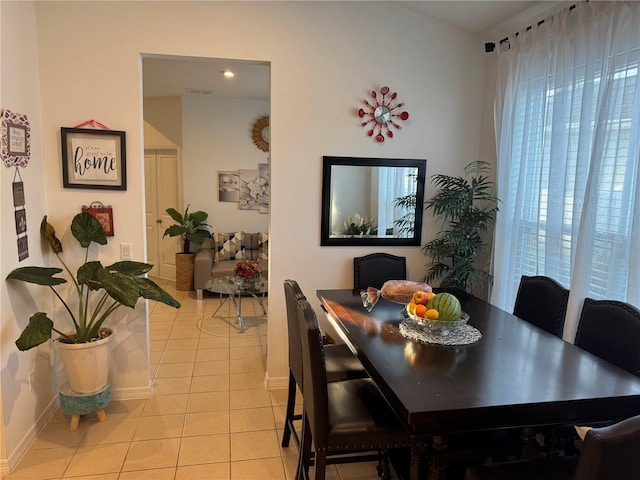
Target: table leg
{"type": "Point", "coordinates": [416, 458]}
{"type": "Point", "coordinates": [436, 471]}
{"type": "Point", "coordinates": [221, 304]}
{"type": "Point", "coordinates": [260, 302]}
{"type": "Point", "coordinates": [238, 307]}
{"type": "Point", "coordinates": [530, 447]}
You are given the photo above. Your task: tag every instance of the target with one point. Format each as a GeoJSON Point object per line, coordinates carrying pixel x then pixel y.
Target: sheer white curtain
{"type": "Point", "coordinates": [393, 183]}
{"type": "Point", "coordinates": [568, 138]}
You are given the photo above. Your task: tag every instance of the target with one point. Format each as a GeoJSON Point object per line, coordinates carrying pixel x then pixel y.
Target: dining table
{"type": "Point", "coordinates": [509, 375]}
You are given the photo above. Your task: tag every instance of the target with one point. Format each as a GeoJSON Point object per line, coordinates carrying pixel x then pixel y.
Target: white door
{"type": "Point", "coordinates": [162, 191]}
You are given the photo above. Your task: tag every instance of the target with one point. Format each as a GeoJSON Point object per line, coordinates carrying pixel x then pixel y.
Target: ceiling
{"type": "Point", "coordinates": [472, 16]}
{"type": "Point", "coordinates": [177, 76]}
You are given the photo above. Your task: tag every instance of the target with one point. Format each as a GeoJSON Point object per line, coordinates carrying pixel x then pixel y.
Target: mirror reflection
{"type": "Point", "coordinates": [372, 201]}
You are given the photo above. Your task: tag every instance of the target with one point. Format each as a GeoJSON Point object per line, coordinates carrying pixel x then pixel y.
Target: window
{"type": "Point", "coordinates": [568, 156]}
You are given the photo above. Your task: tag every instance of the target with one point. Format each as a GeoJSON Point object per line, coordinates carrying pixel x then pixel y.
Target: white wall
{"type": "Point", "coordinates": [19, 92]}
{"type": "Point", "coordinates": [217, 136]}
{"type": "Point", "coordinates": [318, 82]}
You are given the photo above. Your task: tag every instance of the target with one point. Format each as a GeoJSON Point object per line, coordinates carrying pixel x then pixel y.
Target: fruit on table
{"type": "Point", "coordinates": [421, 310]}
{"type": "Point", "coordinates": [421, 297]}
{"type": "Point", "coordinates": [447, 305]}
{"type": "Point", "coordinates": [411, 308]}
{"type": "Point", "coordinates": [432, 314]}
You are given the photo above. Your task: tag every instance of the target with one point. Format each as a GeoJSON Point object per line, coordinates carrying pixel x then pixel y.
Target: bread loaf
{"type": "Point", "coordinates": [401, 291]}
{"type": "Point", "coordinates": [396, 291]}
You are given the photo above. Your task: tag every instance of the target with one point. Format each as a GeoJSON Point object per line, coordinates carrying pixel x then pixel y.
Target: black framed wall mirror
{"type": "Point", "coordinates": [372, 201]}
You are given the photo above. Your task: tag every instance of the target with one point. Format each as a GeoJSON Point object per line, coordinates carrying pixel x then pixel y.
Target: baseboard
{"type": "Point", "coordinates": [275, 383]}
{"type": "Point", "coordinates": [31, 435]}
{"type": "Point", "coordinates": [132, 393]}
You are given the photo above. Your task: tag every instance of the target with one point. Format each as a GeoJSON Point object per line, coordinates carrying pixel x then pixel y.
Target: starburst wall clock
{"type": "Point", "coordinates": [382, 113]}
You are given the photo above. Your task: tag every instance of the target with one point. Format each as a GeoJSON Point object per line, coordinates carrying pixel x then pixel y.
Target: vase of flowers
{"type": "Point", "coordinates": [247, 270]}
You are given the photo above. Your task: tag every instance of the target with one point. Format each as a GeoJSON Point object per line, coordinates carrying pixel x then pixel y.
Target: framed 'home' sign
{"type": "Point", "coordinates": [93, 159]}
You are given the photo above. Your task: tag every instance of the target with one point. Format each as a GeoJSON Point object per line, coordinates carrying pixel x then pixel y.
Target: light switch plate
{"type": "Point", "coordinates": [126, 251]}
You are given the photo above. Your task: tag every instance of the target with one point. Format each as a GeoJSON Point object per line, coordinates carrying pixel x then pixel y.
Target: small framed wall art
{"type": "Point", "coordinates": [94, 159]}
{"type": "Point", "coordinates": [104, 214]}
{"type": "Point", "coordinates": [16, 139]}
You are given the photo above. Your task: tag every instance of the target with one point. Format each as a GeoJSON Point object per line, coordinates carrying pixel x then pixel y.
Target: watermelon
{"type": "Point", "coordinates": [447, 305]}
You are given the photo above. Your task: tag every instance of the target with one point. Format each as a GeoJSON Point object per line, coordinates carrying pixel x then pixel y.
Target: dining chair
{"type": "Point", "coordinates": [608, 453]}
{"type": "Point", "coordinates": [342, 364]}
{"type": "Point", "coordinates": [542, 301]}
{"type": "Point", "coordinates": [344, 422]}
{"type": "Point", "coordinates": [610, 329]}
{"type": "Point", "coordinates": [376, 268]}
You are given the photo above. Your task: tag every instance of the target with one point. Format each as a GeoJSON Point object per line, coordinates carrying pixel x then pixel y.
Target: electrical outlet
{"type": "Point", "coordinates": [32, 380]}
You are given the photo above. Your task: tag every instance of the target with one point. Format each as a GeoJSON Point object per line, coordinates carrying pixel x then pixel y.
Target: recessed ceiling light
{"type": "Point", "coordinates": [228, 74]}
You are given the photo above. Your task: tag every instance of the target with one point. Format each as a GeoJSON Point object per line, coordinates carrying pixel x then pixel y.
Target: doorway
{"type": "Point", "coordinates": [192, 108]}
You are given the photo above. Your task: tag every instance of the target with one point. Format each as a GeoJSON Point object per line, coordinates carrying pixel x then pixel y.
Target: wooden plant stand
{"type": "Point", "coordinates": [76, 404]}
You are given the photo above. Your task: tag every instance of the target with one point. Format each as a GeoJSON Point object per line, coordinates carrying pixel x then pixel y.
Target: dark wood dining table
{"type": "Point", "coordinates": [516, 375]}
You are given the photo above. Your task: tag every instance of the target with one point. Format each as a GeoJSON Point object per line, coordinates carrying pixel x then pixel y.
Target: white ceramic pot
{"type": "Point", "coordinates": [86, 364]}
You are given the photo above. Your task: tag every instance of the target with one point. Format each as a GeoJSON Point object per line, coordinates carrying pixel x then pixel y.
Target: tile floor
{"type": "Point", "coordinates": [210, 416]}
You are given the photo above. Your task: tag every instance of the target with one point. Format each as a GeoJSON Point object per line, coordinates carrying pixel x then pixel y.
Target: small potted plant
{"type": "Point", "coordinates": [359, 226]}
{"type": "Point", "coordinates": [191, 228]}
{"type": "Point", "coordinates": [100, 291]}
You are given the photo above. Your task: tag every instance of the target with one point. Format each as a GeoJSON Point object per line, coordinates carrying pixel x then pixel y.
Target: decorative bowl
{"type": "Point", "coordinates": [440, 327]}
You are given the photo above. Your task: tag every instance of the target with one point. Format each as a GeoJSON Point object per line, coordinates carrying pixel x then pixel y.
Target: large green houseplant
{"type": "Point", "coordinates": [99, 290]}
{"type": "Point", "coordinates": [190, 227]}
{"type": "Point", "coordinates": [468, 207]}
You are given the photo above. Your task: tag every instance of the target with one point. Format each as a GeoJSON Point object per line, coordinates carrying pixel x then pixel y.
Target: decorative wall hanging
{"type": "Point", "coordinates": [93, 159]}
{"type": "Point", "coordinates": [228, 186]}
{"type": "Point", "coordinates": [250, 188]}
{"type": "Point", "coordinates": [15, 150]}
{"type": "Point", "coordinates": [20, 215]}
{"type": "Point", "coordinates": [16, 139]}
{"type": "Point", "coordinates": [265, 192]}
{"type": "Point", "coordinates": [382, 114]}
{"type": "Point", "coordinates": [23, 248]}
{"type": "Point", "coordinates": [103, 214]}
{"type": "Point", "coordinates": [261, 133]}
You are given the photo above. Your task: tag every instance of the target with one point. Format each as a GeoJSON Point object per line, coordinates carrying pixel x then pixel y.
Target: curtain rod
{"type": "Point", "coordinates": [491, 46]}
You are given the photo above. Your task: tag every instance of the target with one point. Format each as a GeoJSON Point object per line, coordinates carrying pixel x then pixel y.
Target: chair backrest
{"type": "Point", "coordinates": [542, 301]}
{"type": "Point", "coordinates": [314, 389]}
{"type": "Point", "coordinates": [376, 268]}
{"type": "Point", "coordinates": [293, 294]}
{"type": "Point", "coordinates": [611, 452]}
{"type": "Point", "coordinates": [611, 330]}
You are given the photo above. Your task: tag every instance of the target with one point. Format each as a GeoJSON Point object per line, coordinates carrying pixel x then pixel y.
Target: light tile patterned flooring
{"type": "Point", "coordinates": [210, 416]}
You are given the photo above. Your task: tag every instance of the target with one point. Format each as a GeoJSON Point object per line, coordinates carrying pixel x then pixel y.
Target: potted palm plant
{"type": "Point", "coordinates": [468, 207]}
{"type": "Point", "coordinates": [99, 290]}
{"type": "Point", "coordinates": [191, 228]}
